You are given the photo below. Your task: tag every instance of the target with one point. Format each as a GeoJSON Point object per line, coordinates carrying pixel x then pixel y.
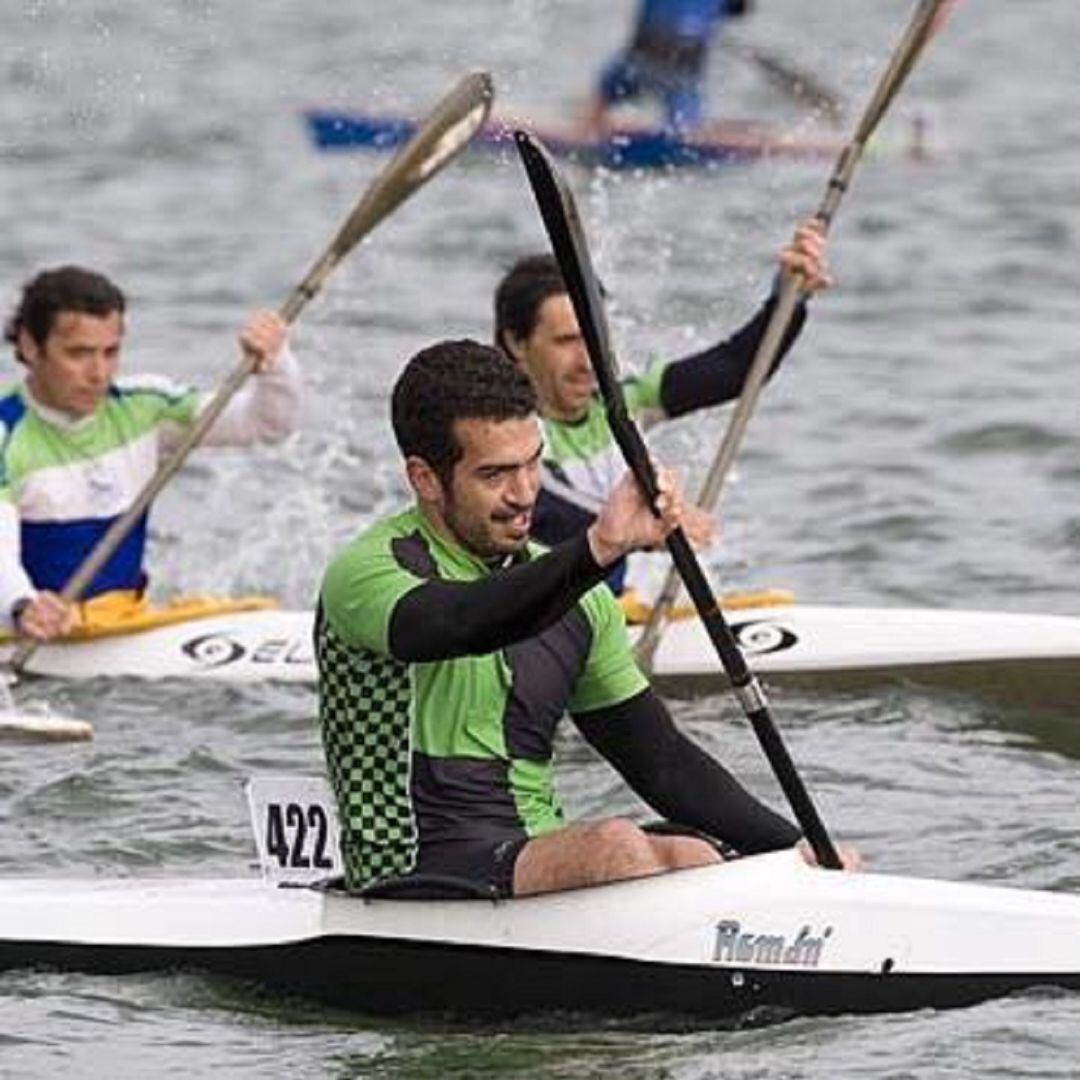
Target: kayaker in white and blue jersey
{"type": "Point", "coordinates": [535, 326]}
{"type": "Point", "coordinates": [665, 60]}
{"type": "Point", "coordinates": [77, 443]}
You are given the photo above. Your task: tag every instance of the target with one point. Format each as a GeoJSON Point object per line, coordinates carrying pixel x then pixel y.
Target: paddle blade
{"type": "Point", "coordinates": [563, 224]}
{"type": "Point", "coordinates": [925, 21]}
{"type": "Point", "coordinates": [439, 139]}
{"type": "Point", "coordinates": [42, 728]}
{"type": "Point", "coordinates": [449, 127]}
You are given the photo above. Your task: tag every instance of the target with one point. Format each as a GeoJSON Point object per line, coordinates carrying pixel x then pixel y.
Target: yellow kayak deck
{"type": "Point", "coordinates": [637, 612]}
{"type": "Point", "coordinates": [114, 614]}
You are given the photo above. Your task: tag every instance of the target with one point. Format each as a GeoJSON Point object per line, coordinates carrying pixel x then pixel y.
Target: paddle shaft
{"type": "Point", "coordinates": [921, 27]}
{"type": "Point", "coordinates": [783, 73]}
{"type": "Point", "coordinates": [747, 689]}
{"type": "Point", "coordinates": [564, 229]}
{"type": "Point", "coordinates": [448, 128]}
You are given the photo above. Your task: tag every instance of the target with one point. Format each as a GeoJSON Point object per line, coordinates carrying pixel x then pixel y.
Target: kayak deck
{"type": "Point", "coordinates": [1029, 658]}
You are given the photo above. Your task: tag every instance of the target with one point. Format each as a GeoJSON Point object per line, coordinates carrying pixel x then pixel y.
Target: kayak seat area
{"type": "Point", "coordinates": [671, 828]}
{"type": "Point", "coordinates": [426, 887]}
{"type": "Point", "coordinates": [413, 887]}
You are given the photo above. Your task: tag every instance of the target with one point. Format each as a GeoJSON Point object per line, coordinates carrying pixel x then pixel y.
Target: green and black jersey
{"type": "Point", "coordinates": [438, 717]}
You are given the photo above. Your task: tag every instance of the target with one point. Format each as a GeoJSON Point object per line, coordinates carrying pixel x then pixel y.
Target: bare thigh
{"type": "Point", "coordinates": [594, 852]}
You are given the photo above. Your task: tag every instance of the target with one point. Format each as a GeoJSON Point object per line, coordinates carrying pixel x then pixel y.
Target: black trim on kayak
{"type": "Point", "coordinates": [382, 976]}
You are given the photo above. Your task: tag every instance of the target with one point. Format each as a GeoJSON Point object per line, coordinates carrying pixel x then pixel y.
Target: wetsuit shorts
{"type": "Point", "coordinates": [487, 866]}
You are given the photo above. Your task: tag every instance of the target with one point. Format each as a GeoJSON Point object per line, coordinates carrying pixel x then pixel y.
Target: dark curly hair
{"type": "Point", "coordinates": [448, 381]}
{"type": "Point", "coordinates": [67, 288]}
{"type": "Point", "coordinates": [520, 295]}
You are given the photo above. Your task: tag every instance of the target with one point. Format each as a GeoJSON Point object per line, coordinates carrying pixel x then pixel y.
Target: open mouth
{"type": "Point", "coordinates": [516, 522]}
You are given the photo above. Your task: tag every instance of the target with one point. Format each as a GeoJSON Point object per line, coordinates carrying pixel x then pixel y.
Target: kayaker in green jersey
{"type": "Point", "coordinates": [535, 326]}
{"type": "Point", "coordinates": [450, 647]}
{"type": "Point", "coordinates": [78, 443]}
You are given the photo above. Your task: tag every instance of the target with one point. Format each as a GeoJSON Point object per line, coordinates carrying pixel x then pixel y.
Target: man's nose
{"type": "Point", "coordinates": [99, 368]}
{"type": "Point", "coordinates": [523, 487]}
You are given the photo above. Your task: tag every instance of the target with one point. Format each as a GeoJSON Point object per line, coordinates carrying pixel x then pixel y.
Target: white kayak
{"type": "Point", "coordinates": [1032, 656]}
{"type": "Point", "coordinates": [766, 935]}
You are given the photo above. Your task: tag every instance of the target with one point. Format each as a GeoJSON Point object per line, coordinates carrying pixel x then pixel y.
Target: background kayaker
{"type": "Point", "coordinates": [79, 443]}
{"type": "Point", "coordinates": [536, 326]}
{"type": "Point", "coordinates": [665, 60]}
{"type": "Point", "coordinates": [449, 649]}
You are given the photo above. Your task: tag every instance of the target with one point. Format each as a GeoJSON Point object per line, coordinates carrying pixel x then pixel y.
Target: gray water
{"type": "Point", "coordinates": [920, 448]}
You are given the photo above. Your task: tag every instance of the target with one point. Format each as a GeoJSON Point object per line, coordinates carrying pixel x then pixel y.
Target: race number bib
{"type": "Point", "coordinates": [296, 828]}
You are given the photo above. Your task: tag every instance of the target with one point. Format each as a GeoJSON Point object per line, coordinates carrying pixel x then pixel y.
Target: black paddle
{"type": "Point", "coordinates": [448, 128]}
{"type": "Point", "coordinates": [564, 230]}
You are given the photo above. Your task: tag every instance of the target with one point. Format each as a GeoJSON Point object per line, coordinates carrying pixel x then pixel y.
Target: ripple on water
{"type": "Point", "coordinates": [1005, 438]}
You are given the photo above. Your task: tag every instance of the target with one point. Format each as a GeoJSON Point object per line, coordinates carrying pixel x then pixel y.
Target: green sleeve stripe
{"type": "Point", "coordinates": [643, 391]}
{"type": "Point", "coordinates": [152, 405]}
{"type": "Point", "coordinates": [361, 589]}
{"type": "Point", "coordinates": [611, 674]}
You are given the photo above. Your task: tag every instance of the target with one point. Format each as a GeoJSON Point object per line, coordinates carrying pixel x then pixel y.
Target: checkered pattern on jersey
{"type": "Point", "coordinates": [364, 712]}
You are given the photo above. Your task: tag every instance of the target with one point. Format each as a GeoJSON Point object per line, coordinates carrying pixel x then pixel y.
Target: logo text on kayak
{"type": "Point", "coordinates": [733, 946]}
{"type": "Point", "coordinates": [218, 649]}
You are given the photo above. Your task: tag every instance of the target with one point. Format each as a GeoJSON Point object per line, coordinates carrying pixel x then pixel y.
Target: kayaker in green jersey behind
{"type": "Point", "coordinates": [536, 327]}
{"type": "Point", "coordinates": [450, 647]}
{"type": "Point", "coordinates": [78, 443]}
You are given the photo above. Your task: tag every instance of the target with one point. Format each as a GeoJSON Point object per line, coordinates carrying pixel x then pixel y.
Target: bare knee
{"type": "Point", "coordinates": [622, 850]}
{"type": "Point", "coordinates": [585, 854]}
{"type": "Point", "coordinates": [684, 852]}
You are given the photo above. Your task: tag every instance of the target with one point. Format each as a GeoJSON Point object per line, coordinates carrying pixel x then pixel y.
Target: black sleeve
{"type": "Point", "coordinates": [717, 374]}
{"type": "Point", "coordinates": [678, 779]}
{"type": "Point", "coordinates": [443, 619]}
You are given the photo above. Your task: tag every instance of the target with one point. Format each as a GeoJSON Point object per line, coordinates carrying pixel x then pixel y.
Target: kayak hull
{"type": "Point", "coordinates": [459, 982]}
{"type": "Point", "coordinates": [764, 937]}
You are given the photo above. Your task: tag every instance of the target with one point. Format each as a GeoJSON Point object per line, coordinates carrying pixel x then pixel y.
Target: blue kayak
{"type": "Point", "coordinates": [721, 143]}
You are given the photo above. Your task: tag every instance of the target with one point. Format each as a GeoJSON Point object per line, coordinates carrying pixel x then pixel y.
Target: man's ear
{"type": "Point", "coordinates": [423, 480]}
{"type": "Point", "coordinates": [514, 347]}
{"type": "Point", "coordinates": [28, 348]}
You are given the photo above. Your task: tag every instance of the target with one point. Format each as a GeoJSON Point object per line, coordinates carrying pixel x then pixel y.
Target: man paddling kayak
{"type": "Point", "coordinates": [536, 327]}
{"type": "Point", "coordinates": [665, 60]}
{"type": "Point", "coordinates": [449, 647]}
{"type": "Point", "coordinates": [79, 443]}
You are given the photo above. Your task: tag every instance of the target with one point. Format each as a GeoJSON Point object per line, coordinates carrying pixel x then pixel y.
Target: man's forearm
{"type": "Point", "coordinates": [265, 410]}
{"type": "Point", "coordinates": [717, 374]}
{"type": "Point", "coordinates": [15, 584]}
{"type": "Point", "coordinates": [443, 619]}
{"type": "Point", "coordinates": [678, 779]}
